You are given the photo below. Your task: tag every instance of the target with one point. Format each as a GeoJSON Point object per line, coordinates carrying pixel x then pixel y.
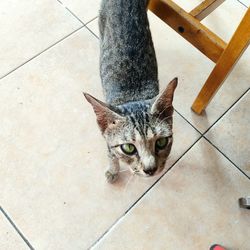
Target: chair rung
{"type": "Point", "coordinates": [189, 28]}
{"type": "Point", "coordinates": [205, 8]}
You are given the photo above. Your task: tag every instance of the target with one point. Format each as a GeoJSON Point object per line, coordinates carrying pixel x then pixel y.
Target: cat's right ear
{"type": "Point", "coordinates": [104, 114]}
{"type": "Point", "coordinates": [162, 106]}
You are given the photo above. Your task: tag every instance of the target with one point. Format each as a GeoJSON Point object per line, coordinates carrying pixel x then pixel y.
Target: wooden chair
{"type": "Point", "coordinates": [225, 55]}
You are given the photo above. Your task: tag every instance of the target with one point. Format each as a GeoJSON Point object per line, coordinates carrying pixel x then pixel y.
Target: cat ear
{"type": "Point", "coordinates": [162, 106]}
{"type": "Point", "coordinates": [104, 114]}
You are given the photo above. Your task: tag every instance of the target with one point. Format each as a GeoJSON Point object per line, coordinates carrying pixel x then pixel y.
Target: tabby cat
{"type": "Point", "coordinates": [135, 121]}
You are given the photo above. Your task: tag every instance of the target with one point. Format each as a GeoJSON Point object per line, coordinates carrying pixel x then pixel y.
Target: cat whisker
{"type": "Point", "coordinates": [129, 180]}
{"type": "Point", "coordinates": [123, 170]}
{"type": "Point", "coordinates": [163, 111]}
{"type": "Point", "coordinates": [160, 122]}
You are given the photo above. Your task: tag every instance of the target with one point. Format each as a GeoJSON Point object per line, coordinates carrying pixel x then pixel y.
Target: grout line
{"type": "Point", "coordinates": [17, 230]}
{"type": "Point", "coordinates": [187, 121]}
{"type": "Point", "coordinates": [84, 25]}
{"type": "Point", "coordinates": [204, 133]}
{"type": "Point", "coordinates": [242, 3]}
{"type": "Point", "coordinates": [90, 29]}
{"type": "Point", "coordinates": [226, 157]}
{"type": "Point", "coordinates": [227, 110]}
{"type": "Point", "coordinates": [74, 15]}
{"type": "Point", "coordinates": [131, 207]}
{"type": "Point", "coordinates": [91, 32]}
{"type": "Point", "coordinates": [91, 20]}
{"type": "Point", "coordinates": [33, 57]}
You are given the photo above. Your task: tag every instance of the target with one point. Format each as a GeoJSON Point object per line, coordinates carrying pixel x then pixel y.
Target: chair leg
{"type": "Point", "coordinates": [224, 65]}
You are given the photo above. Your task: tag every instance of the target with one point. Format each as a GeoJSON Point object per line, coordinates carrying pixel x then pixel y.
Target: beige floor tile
{"type": "Point", "coordinates": [83, 9]}
{"type": "Point", "coordinates": [28, 27]}
{"type": "Point", "coordinates": [188, 5]}
{"type": "Point", "coordinates": [231, 134]}
{"type": "Point", "coordinates": [246, 2]}
{"type": "Point", "coordinates": [52, 156]}
{"type": "Point", "coordinates": [9, 239]}
{"type": "Point", "coordinates": [225, 19]}
{"type": "Point", "coordinates": [176, 57]}
{"type": "Point", "coordinates": [93, 26]}
{"type": "Point", "coordinates": [192, 207]}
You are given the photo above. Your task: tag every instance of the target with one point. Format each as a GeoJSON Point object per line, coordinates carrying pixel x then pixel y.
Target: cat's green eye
{"type": "Point", "coordinates": [161, 143]}
{"type": "Point", "coordinates": [128, 148]}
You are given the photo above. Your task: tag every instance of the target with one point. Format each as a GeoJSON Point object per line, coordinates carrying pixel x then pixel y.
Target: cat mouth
{"type": "Point", "coordinates": [143, 174]}
{"type": "Point", "coordinates": [137, 172]}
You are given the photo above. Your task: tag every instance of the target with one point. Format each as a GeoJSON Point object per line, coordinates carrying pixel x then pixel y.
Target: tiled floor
{"type": "Point", "coordinates": [52, 157]}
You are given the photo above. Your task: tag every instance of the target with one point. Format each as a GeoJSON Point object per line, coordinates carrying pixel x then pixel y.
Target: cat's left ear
{"type": "Point", "coordinates": [105, 115]}
{"type": "Point", "coordinates": [162, 106]}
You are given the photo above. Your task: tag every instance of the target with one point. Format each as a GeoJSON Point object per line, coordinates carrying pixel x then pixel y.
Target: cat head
{"type": "Point", "coordinates": [138, 133]}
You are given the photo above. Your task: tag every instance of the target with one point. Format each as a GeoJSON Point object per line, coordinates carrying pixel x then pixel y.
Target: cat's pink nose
{"type": "Point", "coordinates": [150, 171]}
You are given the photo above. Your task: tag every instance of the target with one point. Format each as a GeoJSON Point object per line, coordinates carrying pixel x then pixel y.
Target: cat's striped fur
{"type": "Point", "coordinates": [133, 114]}
{"type": "Point", "coordinates": [128, 65]}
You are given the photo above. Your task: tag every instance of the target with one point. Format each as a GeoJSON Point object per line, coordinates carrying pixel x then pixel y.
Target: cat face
{"type": "Point", "coordinates": [142, 140]}
{"type": "Point", "coordinates": [138, 134]}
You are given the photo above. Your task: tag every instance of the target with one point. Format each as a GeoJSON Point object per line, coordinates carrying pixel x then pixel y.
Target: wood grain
{"type": "Point", "coordinates": [205, 8]}
{"type": "Point", "coordinates": [236, 46]}
{"type": "Point", "coordinates": [189, 28]}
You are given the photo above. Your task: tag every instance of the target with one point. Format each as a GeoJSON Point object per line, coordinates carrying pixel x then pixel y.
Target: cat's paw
{"type": "Point", "coordinates": [111, 177]}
